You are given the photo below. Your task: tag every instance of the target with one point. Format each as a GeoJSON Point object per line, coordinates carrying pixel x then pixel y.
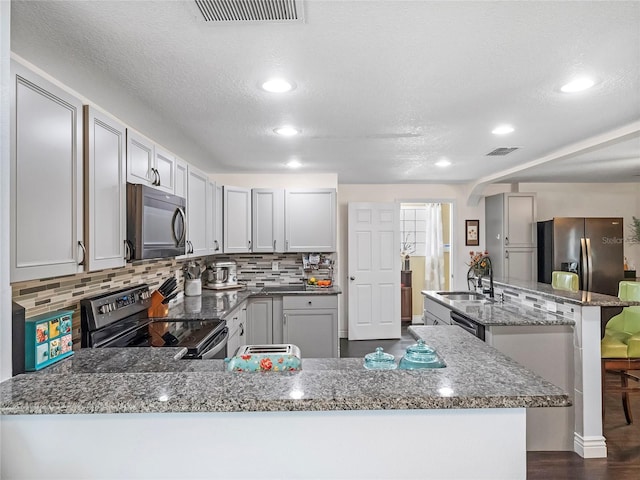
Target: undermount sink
{"type": "Point", "coordinates": [284, 288]}
{"type": "Point", "coordinates": [462, 295]}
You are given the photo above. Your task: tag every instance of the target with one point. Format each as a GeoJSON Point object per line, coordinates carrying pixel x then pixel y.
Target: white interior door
{"type": "Point", "coordinates": [374, 271]}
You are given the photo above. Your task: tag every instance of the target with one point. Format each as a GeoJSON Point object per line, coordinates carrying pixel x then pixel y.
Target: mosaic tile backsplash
{"type": "Point", "coordinates": [65, 293]}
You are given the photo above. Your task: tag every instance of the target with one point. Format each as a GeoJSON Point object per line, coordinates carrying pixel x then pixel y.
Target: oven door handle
{"type": "Point", "coordinates": [217, 349]}
{"type": "Point", "coordinates": [179, 237]}
{"type": "Point", "coordinates": [468, 325]}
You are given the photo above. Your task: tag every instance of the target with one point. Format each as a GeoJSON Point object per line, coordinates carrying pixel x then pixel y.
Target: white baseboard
{"type": "Point", "coordinates": [590, 447]}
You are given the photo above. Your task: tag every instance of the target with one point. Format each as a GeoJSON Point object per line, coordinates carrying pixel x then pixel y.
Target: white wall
{"type": "Point", "coordinates": [590, 200]}
{"type": "Point", "coordinates": [285, 180]}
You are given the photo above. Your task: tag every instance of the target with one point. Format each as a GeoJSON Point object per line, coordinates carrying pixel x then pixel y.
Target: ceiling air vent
{"type": "Point", "coordinates": [499, 152]}
{"type": "Point", "coordinates": [224, 11]}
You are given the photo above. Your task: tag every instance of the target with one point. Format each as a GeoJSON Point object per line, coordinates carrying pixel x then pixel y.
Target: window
{"type": "Point", "coordinates": [413, 225]}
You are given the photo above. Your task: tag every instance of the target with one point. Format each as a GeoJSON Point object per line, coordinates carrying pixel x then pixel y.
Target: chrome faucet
{"type": "Point", "coordinates": [481, 276]}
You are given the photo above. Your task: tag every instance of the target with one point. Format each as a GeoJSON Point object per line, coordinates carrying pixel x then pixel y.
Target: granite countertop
{"type": "Point", "coordinates": [494, 313]}
{"type": "Point", "coordinates": [140, 380]}
{"type": "Point", "coordinates": [216, 304]}
{"type": "Point", "coordinates": [578, 298]}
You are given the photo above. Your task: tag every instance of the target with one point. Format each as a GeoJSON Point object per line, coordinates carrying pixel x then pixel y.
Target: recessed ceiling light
{"type": "Point", "coordinates": [286, 131]}
{"type": "Point", "coordinates": [502, 130]}
{"type": "Point", "coordinates": [577, 85]}
{"type": "Point", "coordinates": [443, 163]}
{"type": "Point", "coordinates": [277, 85]}
{"type": "Point", "coordinates": [294, 164]}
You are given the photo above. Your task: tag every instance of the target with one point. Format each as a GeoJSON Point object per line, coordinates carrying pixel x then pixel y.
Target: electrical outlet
{"type": "Point", "coordinates": [275, 267]}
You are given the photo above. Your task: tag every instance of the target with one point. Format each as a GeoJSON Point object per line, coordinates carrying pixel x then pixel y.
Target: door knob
{"type": "Point", "coordinates": [352, 278]}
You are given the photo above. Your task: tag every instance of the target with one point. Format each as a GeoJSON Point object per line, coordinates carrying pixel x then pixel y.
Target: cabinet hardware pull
{"type": "Point", "coordinates": [309, 302]}
{"type": "Point", "coordinates": [215, 243]}
{"type": "Point", "coordinates": [506, 240]}
{"type": "Point", "coordinates": [284, 320]}
{"type": "Point", "coordinates": [274, 245]}
{"type": "Point", "coordinates": [84, 252]}
{"type": "Point", "coordinates": [159, 182]}
{"type": "Point", "coordinates": [249, 244]}
{"type": "Point", "coordinates": [127, 250]}
{"type": "Point", "coordinates": [241, 329]}
{"type": "Point", "coordinates": [352, 278]}
{"type": "Point", "coordinates": [506, 254]}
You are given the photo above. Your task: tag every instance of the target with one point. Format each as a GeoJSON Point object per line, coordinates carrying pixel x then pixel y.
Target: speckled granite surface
{"type": "Point", "coordinates": [139, 380]}
{"type": "Point", "coordinates": [578, 298]}
{"type": "Point", "coordinates": [214, 304]}
{"type": "Point", "coordinates": [489, 313]}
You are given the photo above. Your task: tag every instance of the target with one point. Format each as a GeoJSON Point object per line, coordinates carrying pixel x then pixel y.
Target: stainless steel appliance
{"type": "Point", "coordinates": [467, 324]}
{"type": "Point", "coordinates": [221, 275]}
{"type": "Point", "coordinates": [156, 223]}
{"type": "Point", "coordinates": [119, 319]}
{"type": "Point", "coordinates": [590, 247]}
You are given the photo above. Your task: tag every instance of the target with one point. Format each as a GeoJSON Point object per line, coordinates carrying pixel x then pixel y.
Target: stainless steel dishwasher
{"type": "Point", "coordinates": [468, 324]}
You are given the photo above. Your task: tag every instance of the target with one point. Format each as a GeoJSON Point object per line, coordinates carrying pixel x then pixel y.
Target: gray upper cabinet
{"type": "Point", "coordinates": [149, 164]}
{"type": "Point", "coordinates": [140, 159]}
{"type": "Point", "coordinates": [46, 178]}
{"type": "Point", "coordinates": [511, 235]}
{"type": "Point", "coordinates": [181, 178]}
{"type": "Point", "coordinates": [105, 199]}
{"type": "Point", "coordinates": [237, 219]}
{"type": "Point", "coordinates": [267, 207]}
{"type": "Point", "coordinates": [198, 209]}
{"type": "Point", "coordinates": [310, 220]}
{"type": "Point", "coordinates": [165, 165]}
{"type": "Point", "coordinates": [217, 220]}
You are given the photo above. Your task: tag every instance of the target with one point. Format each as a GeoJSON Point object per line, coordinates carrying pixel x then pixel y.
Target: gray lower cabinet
{"type": "Point", "coordinates": [236, 323]}
{"type": "Point", "coordinates": [260, 321]}
{"type": "Point", "coordinates": [435, 313]}
{"type": "Point", "coordinates": [311, 323]}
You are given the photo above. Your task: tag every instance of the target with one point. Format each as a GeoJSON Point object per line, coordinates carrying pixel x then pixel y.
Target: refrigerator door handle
{"type": "Point", "coordinates": [584, 264]}
{"type": "Point", "coordinates": [590, 263]}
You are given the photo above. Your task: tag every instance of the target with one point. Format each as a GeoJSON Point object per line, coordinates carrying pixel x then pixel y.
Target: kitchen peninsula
{"type": "Point", "coordinates": [135, 405]}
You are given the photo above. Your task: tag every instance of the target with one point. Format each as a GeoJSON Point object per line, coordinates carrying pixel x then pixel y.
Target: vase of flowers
{"type": "Point", "coordinates": [479, 263]}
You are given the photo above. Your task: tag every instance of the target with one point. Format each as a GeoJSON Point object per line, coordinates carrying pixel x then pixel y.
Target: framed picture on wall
{"type": "Point", "coordinates": [472, 233]}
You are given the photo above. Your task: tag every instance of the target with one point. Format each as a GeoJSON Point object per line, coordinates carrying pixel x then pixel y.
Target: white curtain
{"type": "Point", "coordinates": [434, 249]}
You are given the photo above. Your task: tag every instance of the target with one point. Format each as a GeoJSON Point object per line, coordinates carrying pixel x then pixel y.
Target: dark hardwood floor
{"type": "Point", "coordinates": [623, 441]}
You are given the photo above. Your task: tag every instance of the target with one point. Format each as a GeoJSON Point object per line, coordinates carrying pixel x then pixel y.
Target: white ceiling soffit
{"type": "Point", "coordinates": [225, 11]}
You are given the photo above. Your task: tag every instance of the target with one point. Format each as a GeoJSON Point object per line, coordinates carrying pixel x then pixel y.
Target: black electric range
{"type": "Point", "coordinates": [119, 319]}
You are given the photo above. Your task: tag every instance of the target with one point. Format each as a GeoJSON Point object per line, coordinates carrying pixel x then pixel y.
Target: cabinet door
{"type": "Point", "coordinates": [165, 165]}
{"type": "Point", "coordinates": [310, 220]}
{"type": "Point", "coordinates": [197, 185]}
{"type": "Point", "coordinates": [140, 159]}
{"type": "Point", "coordinates": [181, 179]}
{"type": "Point", "coordinates": [105, 165]}
{"type": "Point", "coordinates": [46, 178]}
{"type": "Point", "coordinates": [520, 220]}
{"type": "Point", "coordinates": [217, 220]}
{"type": "Point", "coordinates": [267, 226]}
{"type": "Point", "coordinates": [260, 321]}
{"type": "Point", "coordinates": [520, 264]}
{"type": "Point", "coordinates": [314, 331]}
{"type": "Point", "coordinates": [237, 219]}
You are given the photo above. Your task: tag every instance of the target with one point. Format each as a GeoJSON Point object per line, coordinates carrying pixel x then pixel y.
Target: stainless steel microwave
{"type": "Point", "coordinates": [156, 223]}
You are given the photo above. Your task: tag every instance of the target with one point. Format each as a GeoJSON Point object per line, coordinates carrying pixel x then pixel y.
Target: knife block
{"type": "Point", "coordinates": [157, 308]}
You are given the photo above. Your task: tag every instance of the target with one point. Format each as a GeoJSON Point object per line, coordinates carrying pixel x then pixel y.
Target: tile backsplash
{"type": "Point", "coordinates": [65, 293]}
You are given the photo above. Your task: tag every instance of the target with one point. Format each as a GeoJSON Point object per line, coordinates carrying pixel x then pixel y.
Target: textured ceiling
{"type": "Point", "coordinates": [384, 88]}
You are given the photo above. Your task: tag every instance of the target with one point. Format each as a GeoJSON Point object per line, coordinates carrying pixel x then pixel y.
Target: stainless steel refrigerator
{"type": "Point", "coordinates": [591, 247]}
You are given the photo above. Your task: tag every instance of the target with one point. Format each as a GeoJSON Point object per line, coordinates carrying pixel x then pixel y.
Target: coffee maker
{"type": "Point", "coordinates": [221, 275]}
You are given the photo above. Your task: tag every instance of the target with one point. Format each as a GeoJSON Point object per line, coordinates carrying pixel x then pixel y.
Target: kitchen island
{"type": "Point", "coordinates": [556, 334]}
{"type": "Point", "coordinates": [333, 419]}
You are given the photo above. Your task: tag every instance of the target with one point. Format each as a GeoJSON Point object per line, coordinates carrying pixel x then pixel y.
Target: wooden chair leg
{"type": "Point", "coordinates": [625, 398]}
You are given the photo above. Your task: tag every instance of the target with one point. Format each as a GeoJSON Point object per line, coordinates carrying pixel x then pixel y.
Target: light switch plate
{"type": "Point", "coordinates": [274, 266]}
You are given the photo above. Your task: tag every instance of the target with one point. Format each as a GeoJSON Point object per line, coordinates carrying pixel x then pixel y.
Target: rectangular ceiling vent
{"type": "Point", "coordinates": [226, 11]}
{"type": "Point", "coordinates": [499, 152]}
